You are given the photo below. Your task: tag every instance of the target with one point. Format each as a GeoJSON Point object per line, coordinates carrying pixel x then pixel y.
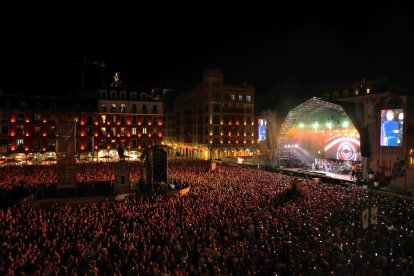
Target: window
{"type": "Point", "coordinates": [103, 130]}
{"type": "Point", "coordinates": [113, 131]}
{"type": "Point", "coordinates": [36, 144]}
{"type": "Point", "coordinates": [154, 120]}
{"type": "Point", "coordinates": [232, 97]}
{"type": "Point", "coordinates": [216, 108]}
{"type": "Point", "coordinates": [154, 109]}
{"type": "Point", "coordinates": [240, 97]}
{"type": "Point", "coordinates": [248, 98]}
{"type": "Point", "coordinates": [113, 108]}
{"type": "Point", "coordinates": [134, 143]}
{"type": "Point", "coordinates": [51, 143]}
{"type": "Point", "coordinates": [122, 95]}
{"type": "Point", "coordinates": [134, 108]}
{"type": "Point", "coordinates": [20, 144]}
{"type": "Point", "coordinates": [20, 117]}
{"type": "Point", "coordinates": [144, 109]}
{"type": "Point", "coordinates": [37, 117]}
{"type": "Point", "coordinates": [89, 131]}
{"type": "Point", "coordinates": [103, 107]}
{"type": "Point", "coordinates": [144, 120]}
{"type": "Point", "coordinates": [36, 130]}
{"type": "Point", "coordinates": [103, 94]}
{"type": "Point", "coordinates": [134, 95]}
{"type": "Point", "coordinates": [123, 120]}
{"type": "Point", "coordinates": [122, 108]}
{"type": "Point", "coordinates": [114, 119]}
{"type": "Point", "coordinates": [51, 117]}
{"type": "Point", "coordinates": [134, 131]}
{"type": "Point", "coordinates": [144, 143]}
{"type": "Point", "coordinates": [113, 94]}
{"type": "Point", "coordinates": [144, 130]}
{"type": "Point", "coordinates": [5, 116]}
{"type": "Point", "coordinates": [122, 131]}
{"type": "Point", "coordinates": [216, 119]}
{"type": "Point", "coordinates": [154, 131]}
{"type": "Point", "coordinates": [103, 119]}
{"type": "Point", "coordinates": [134, 120]}
{"type": "Point", "coordinates": [89, 120]}
{"type": "Point", "coordinates": [4, 129]}
{"type": "Point", "coordinates": [19, 130]}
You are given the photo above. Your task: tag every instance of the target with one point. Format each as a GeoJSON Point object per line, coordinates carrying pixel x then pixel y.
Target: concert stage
{"type": "Point", "coordinates": [323, 175]}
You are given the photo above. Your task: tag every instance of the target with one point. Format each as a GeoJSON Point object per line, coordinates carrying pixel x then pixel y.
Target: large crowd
{"type": "Point", "coordinates": [234, 221]}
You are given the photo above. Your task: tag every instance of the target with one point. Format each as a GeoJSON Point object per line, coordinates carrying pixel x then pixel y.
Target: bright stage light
{"type": "Point", "coordinates": [301, 125]}
{"type": "Point", "coordinates": [296, 145]}
{"type": "Point", "coordinates": [329, 125]}
{"type": "Point", "coordinates": [315, 125]}
{"type": "Point", "coordinates": [345, 124]}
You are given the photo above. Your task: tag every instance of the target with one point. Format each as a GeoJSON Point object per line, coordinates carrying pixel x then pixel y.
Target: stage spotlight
{"type": "Point", "coordinates": [296, 145]}
{"type": "Point", "coordinates": [315, 125]}
{"type": "Point", "coordinates": [329, 125]}
{"type": "Point", "coordinates": [301, 125]}
{"type": "Point", "coordinates": [345, 124]}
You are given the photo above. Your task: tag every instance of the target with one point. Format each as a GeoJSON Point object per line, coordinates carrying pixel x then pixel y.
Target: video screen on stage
{"type": "Point", "coordinates": [342, 148]}
{"type": "Point", "coordinates": [262, 129]}
{"type": "Point", "coordinates": [392, 122]}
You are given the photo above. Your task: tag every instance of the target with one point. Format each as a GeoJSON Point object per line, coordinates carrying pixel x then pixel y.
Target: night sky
{"type": "Point", "coordinates": [286, 51]}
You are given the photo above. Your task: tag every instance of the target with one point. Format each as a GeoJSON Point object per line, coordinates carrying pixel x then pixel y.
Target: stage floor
{"type": "Point", "coordinates": [343, 177]}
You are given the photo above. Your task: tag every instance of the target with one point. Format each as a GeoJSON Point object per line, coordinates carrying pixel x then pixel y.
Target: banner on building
{"type": "Point", "coordinates": [365, 219]}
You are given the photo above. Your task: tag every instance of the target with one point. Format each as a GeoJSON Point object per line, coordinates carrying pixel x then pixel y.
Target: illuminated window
{"type": "Point", "coordinates": [37, 130]}
{"type": "Point", "coordinates": [411, 158]}
{"type": "Point", "coordinates": [113, 108]}
{"type": "Point", "coordinates": [232, 97]}
{"type": "Point", "coordinates": [144, 130]}
{"type": "Point", "coordinates": [122, 108]}
{"type": "Point", "coordinates": [103, 130]}
{"type": "Point", "coordinates": [103, 107]}
{"type": "Point", "coordinates": [103, 118]}
{"type": "Point", "coordinates": [134, 131]}
{"type": "Point", "coordinates": [114, 119]}
{"type": "Point", "coordinates": [20, 144]}
{"type": "Point", "coordinates": [113, 131]}
{"type": "Point", "coordinates": [248, 98]}
{"type": "Point", "coordinates": [240, 97]}
{"type": "Point", "coordinates": [154, 130]}
{"type": "Point", "coordinates": [122, 131]}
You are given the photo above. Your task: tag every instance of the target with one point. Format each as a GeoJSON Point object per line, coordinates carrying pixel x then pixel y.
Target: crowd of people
{"type": "Point", "coordinates": [234, 221]}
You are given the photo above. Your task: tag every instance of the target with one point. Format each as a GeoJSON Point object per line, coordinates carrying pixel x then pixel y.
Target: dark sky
{"type": "Point", "coordinates": [283, 51]}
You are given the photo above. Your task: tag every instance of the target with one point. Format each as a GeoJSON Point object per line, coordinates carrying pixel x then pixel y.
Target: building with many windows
{"type": "Point", "coordinates": [216, 119]}
{"type": "Point", "coordinates": [28, 125]}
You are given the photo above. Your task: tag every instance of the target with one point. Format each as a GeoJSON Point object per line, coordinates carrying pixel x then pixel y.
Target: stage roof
{"type": "Point", "coordinates": [313, 109]}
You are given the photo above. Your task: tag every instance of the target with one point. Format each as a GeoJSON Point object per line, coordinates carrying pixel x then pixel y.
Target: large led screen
{"type": "Point", "coordinates": [392, 121]}
{"type": "Point", "coordinates": [262, 129]}
{"type": "Point", "coordinates": [342, 148]}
